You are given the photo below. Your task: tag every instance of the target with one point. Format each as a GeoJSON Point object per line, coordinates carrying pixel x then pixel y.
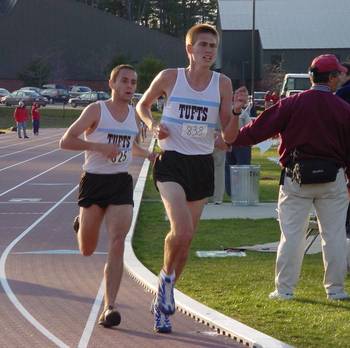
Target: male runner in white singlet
{"type": "Point", "coordinates": [106, 188]}
{"type": "Point", "coordinates": [196, 98]}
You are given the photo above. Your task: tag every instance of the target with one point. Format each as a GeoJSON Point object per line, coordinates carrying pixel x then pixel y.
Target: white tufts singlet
{"type": "Point", "coordinates": [191, 116]}
{"type": "Point", "coordinates": [109, 130]}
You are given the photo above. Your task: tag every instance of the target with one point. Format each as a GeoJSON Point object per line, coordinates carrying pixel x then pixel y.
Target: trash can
{"type": "Point", "coordinates": [245, 184]}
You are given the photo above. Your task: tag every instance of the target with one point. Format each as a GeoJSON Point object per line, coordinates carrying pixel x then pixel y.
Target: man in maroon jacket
{"type": "Point", "coordinates": [21, 117]}
{"type": "Point", "coordinates": [314, 126]}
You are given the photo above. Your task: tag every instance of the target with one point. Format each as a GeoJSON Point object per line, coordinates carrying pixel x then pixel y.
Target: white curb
{"type": "Point", "coordinates": [220, 322]}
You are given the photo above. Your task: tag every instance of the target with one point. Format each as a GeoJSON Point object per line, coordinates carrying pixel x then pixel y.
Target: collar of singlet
{"type": "Point", "coordinates": [322, 88]}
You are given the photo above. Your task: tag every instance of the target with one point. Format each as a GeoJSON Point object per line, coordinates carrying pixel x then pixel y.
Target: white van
{"type": "Point", "coordinates": [300, 82]}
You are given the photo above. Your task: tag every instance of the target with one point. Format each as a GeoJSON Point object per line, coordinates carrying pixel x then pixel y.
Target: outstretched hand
{"type": "Point", "coordinates": [239, 99]}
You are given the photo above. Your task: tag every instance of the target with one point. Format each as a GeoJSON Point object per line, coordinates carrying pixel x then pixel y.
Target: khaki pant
{"type": "Point", "coordinates": [330, 201]}
{"type": "Point", "coordinates": [219, 175]}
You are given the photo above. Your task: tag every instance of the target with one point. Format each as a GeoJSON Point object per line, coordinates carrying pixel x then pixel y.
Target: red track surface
{"type": "Point", "coordinates": [48, 290]}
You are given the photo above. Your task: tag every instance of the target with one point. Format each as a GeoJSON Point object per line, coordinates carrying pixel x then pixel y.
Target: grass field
{"type": "Point", "coordinates": [50, 118]}
{"type": "Point", "coordinates": [239, 286]}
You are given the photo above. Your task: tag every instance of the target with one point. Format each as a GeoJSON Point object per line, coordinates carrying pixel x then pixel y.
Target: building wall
{"type": "Point", "coordinates": [235, 56]}
{"type": "Point", "coordinates": [77, 40]}
{"type": "Point", "coordinates": [298, 61]}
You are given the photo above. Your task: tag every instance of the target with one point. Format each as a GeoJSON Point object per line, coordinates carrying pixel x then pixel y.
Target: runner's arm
{"type": "Point", "coordinates": [229, 123]}
{"type": "Point", "coordinates": [159, 87]}
{"type": "Point", "coordinates": [87, 121]}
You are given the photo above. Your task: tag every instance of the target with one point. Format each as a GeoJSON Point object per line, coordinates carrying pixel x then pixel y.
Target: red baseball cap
{"type": "Point", "coordinates": [327, 63]}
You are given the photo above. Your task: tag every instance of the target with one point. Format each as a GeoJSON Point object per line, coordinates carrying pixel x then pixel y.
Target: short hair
{"type": "Point", "coordinates": [115, 71]}
{"type": "Point", "coordinates": [322, 77]}
{"type": "Point", "coordinates": [191, 36]}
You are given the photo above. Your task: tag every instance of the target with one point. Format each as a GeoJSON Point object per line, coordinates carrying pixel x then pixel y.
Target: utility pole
{"type": "Point", "coordinates": [253, 55]}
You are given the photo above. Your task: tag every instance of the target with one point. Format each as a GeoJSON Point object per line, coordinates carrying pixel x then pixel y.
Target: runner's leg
{"type": "Point", "coordinates": [90, 220]}
{"type": "Point", "coordinates": [178, 240]}
{"type": "Point", "coordinates": [118, 221]}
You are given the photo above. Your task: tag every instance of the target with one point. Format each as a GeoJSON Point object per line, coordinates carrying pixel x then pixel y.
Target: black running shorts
{"type": "Point", "coordinates": [105, 189]}
{"type": "Point", "coordinates": [195, 173]}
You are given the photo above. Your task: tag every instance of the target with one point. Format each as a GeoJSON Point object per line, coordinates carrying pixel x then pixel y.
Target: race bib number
{"type": "Point", "coordinates": [194, 130]}
{"type": "Point", "coordinates": [122, 156]}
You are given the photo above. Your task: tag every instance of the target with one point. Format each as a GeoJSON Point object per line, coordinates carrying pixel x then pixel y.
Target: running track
{"type": "Point", "coordinates": [49, 294]}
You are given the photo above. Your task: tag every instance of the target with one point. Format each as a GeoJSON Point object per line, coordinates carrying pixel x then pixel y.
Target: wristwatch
{"type": "Point", "coordinates": [236, 113]}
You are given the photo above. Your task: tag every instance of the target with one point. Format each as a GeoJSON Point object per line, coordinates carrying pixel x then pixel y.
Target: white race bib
{"type": "Point", "coordinates": [122, 157]}
{"type": "Point", "coordinates": [192, 130]}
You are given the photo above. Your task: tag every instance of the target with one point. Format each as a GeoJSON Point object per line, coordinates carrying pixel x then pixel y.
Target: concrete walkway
{"type": "Point", "coordinates": [230, 211]}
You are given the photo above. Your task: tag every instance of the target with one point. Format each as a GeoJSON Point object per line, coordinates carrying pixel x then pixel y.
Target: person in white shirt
{"type": "Point", "coordinates": [196, 98]}
{"type": "Point", "coordinates": [106, 187]}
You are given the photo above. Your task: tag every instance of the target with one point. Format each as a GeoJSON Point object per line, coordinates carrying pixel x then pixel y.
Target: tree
{"type": "Point", "coordinates": [273, 77]}
{"type": "Point", "coordinates": [173, 17]}
{"type": "Point", "coordinates": [36, 73]}
{"type": "Point", "coordinates": [117, 60]}
{"type": "Point", "coordinates": [147, 71]}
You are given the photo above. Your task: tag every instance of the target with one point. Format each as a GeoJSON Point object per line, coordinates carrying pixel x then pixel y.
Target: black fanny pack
{"type": "Point", "coordinates": [313, 171]}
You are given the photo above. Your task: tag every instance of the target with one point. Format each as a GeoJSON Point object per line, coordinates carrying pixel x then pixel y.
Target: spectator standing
{"type": "Point", "coordinates": [271, 98]}
{"type": "Point", "coordinates": [21, 117]}
{"type": "Point", "coordinates": [344, 93]}
{"type": "Point", "coordinates": [35, 118]}
{"type": "Point", "coordinates": [219, 154]}
{"type": "Point", "coordinates": [314, 128]}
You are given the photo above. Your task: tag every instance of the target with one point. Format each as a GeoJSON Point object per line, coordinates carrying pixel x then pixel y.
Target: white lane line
{"type": "Point", "coordinates": [29, 159]}
{"type": "Point", "coordinates": [90, 324]}
{"type": "Point", "coordinates": [84, 340]}
{"type": "Point", "coordinates": [51, 184]}
{"type": "Point", "coordinates": [21, 200]}
{"type": "Point", "coordinates": [36, 176]}
{"type": "Point", "coordinates": [18, 142]}
{"type": "Point", "coordinates": [7, 288]}
{"type": "Point", "coordinates": [41, 202]}
{"type": "Point", "coordinates": [23, 213]}
{"type": "Point", "coordinates": [28, 148]}
{"type": "Point", "coordinates": [56, 252]}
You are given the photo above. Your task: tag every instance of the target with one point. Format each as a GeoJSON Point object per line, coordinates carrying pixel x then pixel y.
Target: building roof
{"type": "Point", "coordinates": [291, 24]}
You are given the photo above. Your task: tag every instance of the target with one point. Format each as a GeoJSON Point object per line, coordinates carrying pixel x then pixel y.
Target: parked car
{"type": "Point", "coordinates": [88, 98]}
{"type": "Point", "coordinates": [259, 100]}
{"type": "Point", "coordinates": [293, 91]}
{"type": "Point", "coordinates": [76, 91]}
{"type": "Point", "coordinates": [35, 89]}
{"type": "Point", "coordinates": [56, 95]}
{"type": "Point", "coordinates": [4, 92]}
{"type": "Point", "coordinates": [295, 82]}
{"type": "Point", "coordinates": [54, 85]}
{"type": "Point", "coordinates": [26, 96]}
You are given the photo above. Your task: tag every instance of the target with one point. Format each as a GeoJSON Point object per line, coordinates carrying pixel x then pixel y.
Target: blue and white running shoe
{"type": "Point", "coordinates": [162, 322]}
{"type": "Point", "coordinates": [165, 294]}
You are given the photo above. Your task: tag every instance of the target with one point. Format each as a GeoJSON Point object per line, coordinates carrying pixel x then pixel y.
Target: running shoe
{"type": "Point", "coordinates": [276, 295]}
{"type": "Point", "coordinates": [165, 294]}
{"type": "Point", "coordinates": [338, 296]}
{"type": "Point", "coordinates": [109, 317]}
{"type": "Point", "coordinates": [76, 224]}
{"type": "Point", "coordinates": [162, 322]}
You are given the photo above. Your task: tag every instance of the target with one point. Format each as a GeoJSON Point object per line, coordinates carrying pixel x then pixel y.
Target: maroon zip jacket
{"type": "Point", "coordinates": [316, 122]}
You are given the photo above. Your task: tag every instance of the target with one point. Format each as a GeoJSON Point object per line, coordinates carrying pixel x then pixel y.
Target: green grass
{"type": "Point", "coordinates": [239, 286]}
{"type": "Point", "coordinates": [50, 118]}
